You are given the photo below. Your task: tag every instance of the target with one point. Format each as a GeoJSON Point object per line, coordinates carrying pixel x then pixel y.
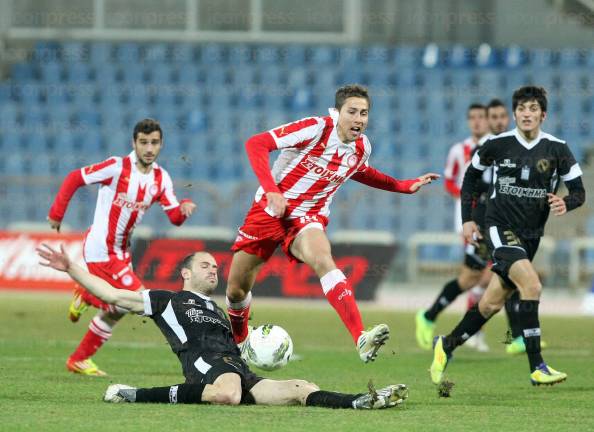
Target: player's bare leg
{"type": "Point", "coordinates": [226, 390]}
{"type": "Point", "coordinates": [100, 330]}
{"type": "Point", "coordinates": [242, 275]}
{"type": "Point", "coordinates": [300, 392]}
{"type": "Point", "coordinates": [313, 248]}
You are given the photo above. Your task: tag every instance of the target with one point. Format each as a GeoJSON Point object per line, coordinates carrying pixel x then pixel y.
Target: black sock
{"type": "Point", "coordinates": [470, 324]}
{"type": "Point", "coordinates": [512, 306]}
{"type": "Point", "coordinates": [328, 399]}
{"type": "Point", "coordinates": [448, 294]}
{"type": "Point", "coordinates": [180, 393]}
{"type": "Point", "coordinates": [528, 315]}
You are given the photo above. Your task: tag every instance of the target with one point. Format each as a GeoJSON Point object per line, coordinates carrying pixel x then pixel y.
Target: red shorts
{"type": "Point", "coordinates": [118, 273]}
{"type": "Point", "coordinates": [262, 233]}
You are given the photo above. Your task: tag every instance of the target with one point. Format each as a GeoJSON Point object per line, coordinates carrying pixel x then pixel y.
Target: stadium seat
{"type": "Point", "coordinates": [514, 57]}
{"type": "Point", "coordinates": [294, 55]}
{"type": "Point", "coordinates": [406, 56]}
{"type": "Point", "coordinates": [9, 114]}
{"type": "Point", "coordinates": [51, 73]}
{"type": "Point", "coordinates": [46, 51]}
{"type": "Point", "coordinates": [302, 99]}
{"type": "Point", "coordinates": [244, 76]}
{"type": "Point", "coordinates": [23, 72]}
{"type": "Point", "coordinates": [106, 73]}
{"type": "Point", "coordinates": [323, 55]}
{"type": "Point", "coordinates": [240, 54]}
{"type": "Point", "coordinates": [297, 77]}
{"type": "Point", "coordinates": [74, 52]}
{"type": "Point", "coordinates": [128, 53]}
{"type": "Point", "coordinates": [100, 53]}
{"type": "Point", "coordinates": [543, 58]}
{"type": "Point", "coordinates": [570, 58]}
{"type": "Point", "coordinates": [57, 95]}
{"type": "Point", "coordinates": [349, 57]}
{"type": "Point", "coordinates": [271, 76]}
{"type": "Point", "coordinates": [188, 75]}
{"type": "Point", "coordinates": [156, 53]}
{"type": "Point", "coordinates": [376, 55]}
{"type": "Point", "coordinates": [160, 74]}
{"type": "Point", "coordinates": [77, 73]}
{"type": "Point", "coordinates": [215, 75]}
{"type": "Point", "coordinates": [267, 55]}
{"type": "Point", "coordinates": [486, 56]}
{"type": "Point", "coordinates": [34, 117]}
{"type": "Point", "coordinates": [183, 54]}
{"type": "Point", "coordinates": [458, 56]}
{"type": "Point", "coordinates": [213, 54]}
{"type": "Point", "coordinates": [132, 75]}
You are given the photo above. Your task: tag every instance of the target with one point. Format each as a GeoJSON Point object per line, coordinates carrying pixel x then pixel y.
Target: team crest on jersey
{"type": "Point", "coordinates": [154, 189]}
{"type": "Point", "coordinates": [352, 160]}
{"type": "Point", "coordinates": [543, 165]}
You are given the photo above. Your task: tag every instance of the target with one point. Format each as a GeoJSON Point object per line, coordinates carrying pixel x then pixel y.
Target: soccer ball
{"type": "Point", "coordinates": [269, 347]}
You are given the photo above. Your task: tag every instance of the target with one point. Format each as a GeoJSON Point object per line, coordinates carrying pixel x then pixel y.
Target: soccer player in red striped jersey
{"type": "Point", "coordinates": [128, 187]}
{"type": "Point", "coordinates": [291, 207]}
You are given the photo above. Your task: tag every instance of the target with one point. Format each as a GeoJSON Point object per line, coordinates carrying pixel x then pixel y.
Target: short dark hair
{"type": "Point", "coordinates": [147, 126]}
{"type": "Point", "coordinates": [187, 262]}
{"type": "Point", "coordinates": [476, 105]}
{"type": "Point", "coordinates": [494, 103]}
{"type": "Point", "coordinates": [350, 90]}
{"type": "Point", "coordinates": [528, 93]}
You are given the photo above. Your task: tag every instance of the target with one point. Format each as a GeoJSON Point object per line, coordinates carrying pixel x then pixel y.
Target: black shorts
{"type": "Point", "coordinates": [477, 258]}
{"type": "Point", "coordinates": [208, 367]}
{"type": "Point", "coordinates": [507, 248]}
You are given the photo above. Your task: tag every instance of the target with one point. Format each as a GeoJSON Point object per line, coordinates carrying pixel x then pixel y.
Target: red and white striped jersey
{"type": "Point", "coordinates": [313, 164]}
{"type": "Point", "coordinates": [457, 162]}
{"type": "Point", "coordinates": [124, 196]}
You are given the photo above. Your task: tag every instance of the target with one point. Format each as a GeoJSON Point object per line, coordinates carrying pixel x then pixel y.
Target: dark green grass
{"type": "Point", "coordinates": [492, 391]}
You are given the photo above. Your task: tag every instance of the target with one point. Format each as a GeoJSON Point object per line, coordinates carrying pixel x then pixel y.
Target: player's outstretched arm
{"type": "Point", "coordinates": [131, 300]}
{"type": "Point", "coordinates": [378, 180]}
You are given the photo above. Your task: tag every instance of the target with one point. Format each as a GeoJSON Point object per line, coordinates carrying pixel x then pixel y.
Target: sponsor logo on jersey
{"type": "Point", "coordinates": [507, 163]}
{"type": "Point", "coordinates": [543, 165]}
{"type": "Point", "coordinates": [190, 302]}
{"type": "Point", "coordinates": [506, 181]}
{"type": "Point", "coordinates": [197, 316]}
{"type": "Point", "coordinates": [123, 201]}
{"type": "Point", "coordinates": [323, 173]}
{"type": "Point", "coordinates": [522, 192]}
{"type": "Point", "coordinates": [352, 160]}
{"type": "Point", "coordinates": [154, 189]}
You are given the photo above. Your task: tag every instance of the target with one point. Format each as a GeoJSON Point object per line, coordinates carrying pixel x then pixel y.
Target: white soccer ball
{"type": "Point", "coordinates": [269, 347]}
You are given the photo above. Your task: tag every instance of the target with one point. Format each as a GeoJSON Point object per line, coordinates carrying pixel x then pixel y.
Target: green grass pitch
{"type": "Point", "coordinates": [492, 391]}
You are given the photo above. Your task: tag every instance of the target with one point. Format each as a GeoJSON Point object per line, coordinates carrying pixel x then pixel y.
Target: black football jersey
{"type": "Point", "coordinates": [523, 173]}
{"type": "Point", "coordinates": [191, 322]}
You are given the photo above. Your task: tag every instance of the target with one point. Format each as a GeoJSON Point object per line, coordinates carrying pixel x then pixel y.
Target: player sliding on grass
{"type": "Point", "coordinates": [128, 187]}
{"type": "Point", "coordinates": [528, 165]}
{"type": "Point", "coordinates": [291, 207]}
{"type": "Point", "coordinates": [199, 334]}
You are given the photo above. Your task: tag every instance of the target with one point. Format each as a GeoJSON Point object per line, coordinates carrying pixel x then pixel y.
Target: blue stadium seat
{"type": "Point", "coordinates": [11, 141]}
{"type": "Point", "coordinates": [134, 74]}
{"type": "Point", "coordinates": [272, 76]}
{"type": "Point", "coordinates": [78, 73]}
{"type": "Point", "coordinates": [106, 73]}
{"type": "Point", "coordinates": [36, 141]}
{"type": "Point", "coordinates": [376, 55]}
{"type": "Point", "coordinates": [350, 76]}
{"type": "Point", "coordinates": [294, 55]}
{"type": "Point", "coordinates": [156, 53]}
{"type": "Point", "coordinates": [51, 73]}
{"type": "Point", "coordinates": [240, 54]}
{"type": "Point", "coordinates": [183, 54]}
{"type": "Point", "coordinates": [274, 99]}
{"type": "Point", "coordinates": [514, 57]}
{"type": "Point", "coordinates": [59, 117]}
{"type": "Point", "coordinates": [188, 75]}
{"type": "Point", "coordinates": [15, 164]}
{"type": "Point", "coordinates": [23, 72]}
{"type": "Point", "coordinates": [100, 53]}
{"type": "Point", "coordinates": [34, 117]}
{"type": "Point", "coordinates": [297, 77]}
{"type": "Point", "coordinates": [406, 56]}
{"type": "Point", "coordinates": [161, 74]}
{"type": "Point", "coordinates": [57, 95]}
{"type": "Point", "coordinates": [46, 51]}
{"type": "Point", "coordinates": [349, 56]}
{"type": "Point", "coordinates": [42, 165]}
{"type": "Point", "coordinates": [267, 55]}
{"type": "Point", "coordinates": [486, 56]}
{"type": "Point", "coordinates": [212, 54]}
{"type": "Point", "coordinates": [215, 75]}
{"type": "Point", "coordinates": [166, 97]}
{"type": "Point", "coordinates": [74, 52]}
{"type": "Point", "coordinates": [87, 118]}
{"type": "Point", "coordinates": [570, 58]}
{"type": "Point", "coordinates": [9, 114]}
{"type": "Point", "coordinates": [302, 99]}
{"type": "Point", "coordinates": [323, 55]}
{"type": "Point", "coordinates": [543, 58]}
{"type": "Point", "coordinates": [83, 95]}
{"type": "Point", "coordinates": [249, 98]}
{"type": "Point", "coordinates": [244, 76]}
{"type": "Point", "coordinates": [458, 56]}
{"type": "Point", "coordinates": [128, 53]}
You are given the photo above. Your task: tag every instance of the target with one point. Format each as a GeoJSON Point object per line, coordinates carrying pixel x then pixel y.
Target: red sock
{"type": "Point", "coordinates": [99, 332]}
{"type": "Point", "coordinates": [342, 299]}
{"type": "Point", "coordinates": [239, 314]}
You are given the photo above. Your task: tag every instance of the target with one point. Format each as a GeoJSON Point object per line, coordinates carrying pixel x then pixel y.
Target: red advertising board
{"type": "Point", "coordinates": [156, 261]}
{"type": "Point", "coordinates": [19, 263]}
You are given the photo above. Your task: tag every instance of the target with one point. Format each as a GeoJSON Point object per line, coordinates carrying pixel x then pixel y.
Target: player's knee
{"type": "Point", "coordinates": [236, 291]}
{"type": "Point", "coordinates": [302, 390]}
{"type": "Point", "coordinates": [489, 308]}
{"type": "Point", "coordinates": [532, 290]}
{"type": "Point", "coordinates": [227, 397]}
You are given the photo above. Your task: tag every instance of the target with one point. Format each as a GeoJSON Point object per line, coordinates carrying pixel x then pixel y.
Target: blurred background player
{"type": "Point", "coordinates": [475, 260]}
{"type": "Point", "coordinates": [199, 333]}
{"type": "Point", "coordinates": [128, 187]}
{"type": "Point", "coordinates": [528, 164]}
{"type": "Point", "coordinates": [291, 207]}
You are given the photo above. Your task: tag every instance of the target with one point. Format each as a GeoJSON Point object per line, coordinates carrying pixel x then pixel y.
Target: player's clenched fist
{"type": "Point", "coordinates": [557, 204]}
{"type": "Point", "coordinates": [471, 232]}
{"type": "Point", "coordinates": [277, 203]}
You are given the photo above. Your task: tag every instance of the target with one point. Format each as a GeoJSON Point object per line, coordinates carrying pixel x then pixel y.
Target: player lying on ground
{"type": "Point", "coordinates": [528, 164]}
{"type": "Point", "coordinates": [199, 333]}
{"type": "Point", "coordinates": [128, 187]}
{"type": "Point", "coordinates": [475, 274]}
{"type": "Point", "coordinates": [292, 205]}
